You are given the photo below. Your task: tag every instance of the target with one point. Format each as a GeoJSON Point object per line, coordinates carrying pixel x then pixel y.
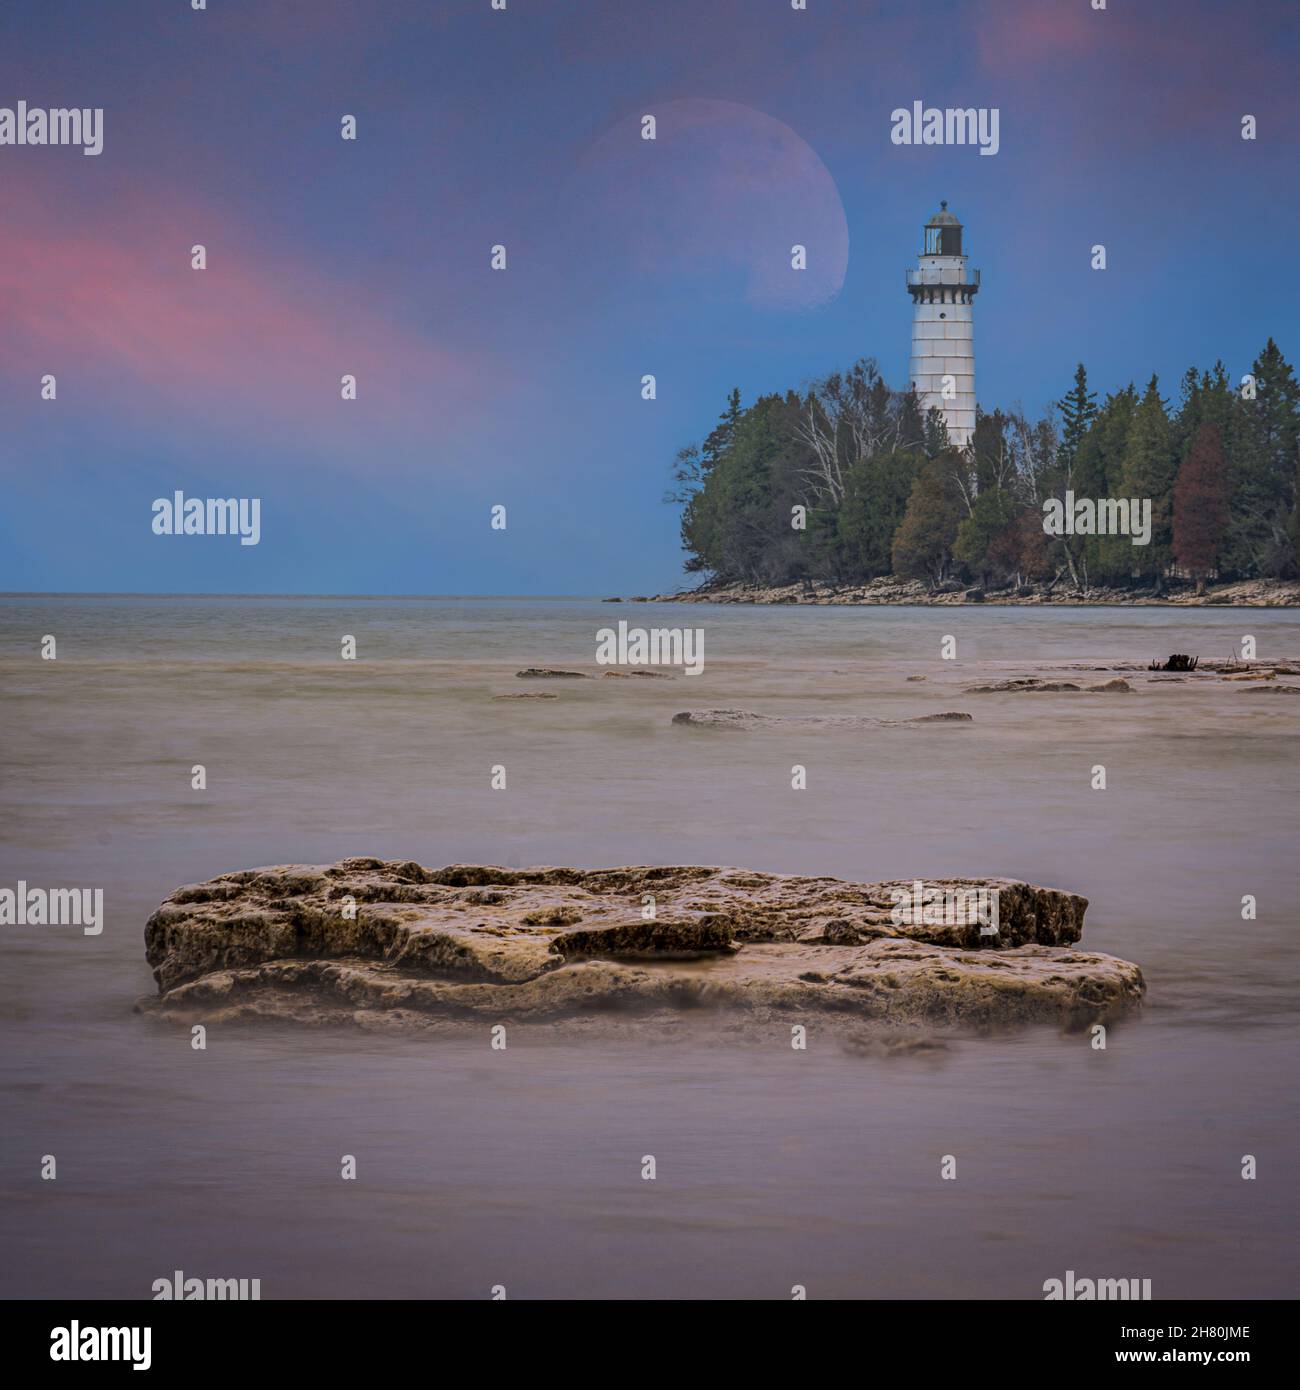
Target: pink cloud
{"type": "Point", "coordinates": [105, 294]}
{"type": "Point", "coordinates": [1193, 69]}
{"type": "Point", "coordinates": [1015, 33]}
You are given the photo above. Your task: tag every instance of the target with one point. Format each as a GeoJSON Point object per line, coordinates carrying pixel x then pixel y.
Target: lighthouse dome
{"type": "Point", "coordinates": [943, 218]}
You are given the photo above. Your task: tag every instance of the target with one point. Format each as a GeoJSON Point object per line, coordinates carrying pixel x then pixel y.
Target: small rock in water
{"type": "Point", "coordinates": [547, 673]}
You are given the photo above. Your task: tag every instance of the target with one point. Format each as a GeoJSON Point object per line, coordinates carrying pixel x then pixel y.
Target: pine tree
{"type": "Point", "coordinates": [1078, 411]}
{"type": "Point", "coordinates": [936, 433]}
{"type": "Point", "coordinates": [990, 451]}
{"type": "Point", "coordinates": [923, 542]}
{"type": "Point", "coordinates": [720, 436]}
{"type": "Point", "coordinates": [876, 493]}
{"type": "Point", "coordinates": [911, 421]}
{"type": "Point", "coordinates": [1264, 468]}
{"type": "Point", "coordinates": [1148, 474]}
{"type": "Point", "coordinates": [1098, 472]}
{"type": "Point", "coordinates": [1187, 420]}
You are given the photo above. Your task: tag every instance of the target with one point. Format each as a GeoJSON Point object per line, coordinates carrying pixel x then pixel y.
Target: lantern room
{"type": "Point", "coordinates": [942, 234]}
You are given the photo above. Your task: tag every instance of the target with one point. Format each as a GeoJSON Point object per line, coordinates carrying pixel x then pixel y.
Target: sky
{"type": "Point", "coordinates": [522, 387]}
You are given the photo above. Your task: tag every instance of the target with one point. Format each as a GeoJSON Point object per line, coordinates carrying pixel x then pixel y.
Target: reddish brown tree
{"type": "Point", "coordinates": [1020, 548]}
{"type": "Point", "coordinates": [1201, 504]}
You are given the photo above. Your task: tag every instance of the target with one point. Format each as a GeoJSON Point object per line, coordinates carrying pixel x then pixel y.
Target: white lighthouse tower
{"type": "Point", "coordinates": [943, 331]}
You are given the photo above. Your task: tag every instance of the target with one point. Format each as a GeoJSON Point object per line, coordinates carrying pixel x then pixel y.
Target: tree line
{"type": "Point", "coordinates": [849, 480]}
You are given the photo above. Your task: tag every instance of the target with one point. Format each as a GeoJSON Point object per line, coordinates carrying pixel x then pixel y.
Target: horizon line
{"type": "Point", "coordinates": [178, 593]}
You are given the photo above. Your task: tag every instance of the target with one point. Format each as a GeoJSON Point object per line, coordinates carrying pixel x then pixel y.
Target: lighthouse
{"type": "Point", "coordinates": [943, 290]}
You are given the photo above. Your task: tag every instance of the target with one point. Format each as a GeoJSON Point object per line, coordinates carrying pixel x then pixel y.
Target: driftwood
{"type": "Point", "coordinates": [1177, 662]}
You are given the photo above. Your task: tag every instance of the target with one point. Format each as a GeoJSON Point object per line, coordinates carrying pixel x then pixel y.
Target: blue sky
{"type": "Point", "coordinates": [625, 257]}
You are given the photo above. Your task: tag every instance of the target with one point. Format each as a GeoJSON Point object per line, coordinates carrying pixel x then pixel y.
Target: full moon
{"type": "Point", "coordinates": [718, 200]}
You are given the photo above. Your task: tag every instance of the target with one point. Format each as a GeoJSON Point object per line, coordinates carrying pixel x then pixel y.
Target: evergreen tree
{"type": "Point", "coordinates": [720, 436]}
{"type": "Point", "coordinates": [692, 467]}
{"type": "Point", "coordinates": [875, 501]}
{"type": "Point", "coordinates": [1148, 474]}
{"type": "Point", "coordinates": [990, 451]}
{"type": "Point", "coordinates": [1078, 411]}
{"type": "Point", "coordinates": [1097, 473]}
{"type": "Point", "coordinates": [923, 542]}
{"type": "Point", "coordinates": [936, 433]}
{"type": "Point", "coordinates": [979, 543]}
{"type": "Point", "coordinates": [1264, 473]}
{"type": "Point", "coordinates": [911, 421]}
{"type": "Point", "coordinates": [1184, 423]}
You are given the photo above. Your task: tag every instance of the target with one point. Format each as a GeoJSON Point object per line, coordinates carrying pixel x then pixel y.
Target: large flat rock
{"type": "Point", "coordinates": [365, 938]}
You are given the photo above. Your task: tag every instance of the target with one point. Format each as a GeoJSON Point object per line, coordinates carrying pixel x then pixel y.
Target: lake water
{"type": "Point", "coordinates": [523, 1168]}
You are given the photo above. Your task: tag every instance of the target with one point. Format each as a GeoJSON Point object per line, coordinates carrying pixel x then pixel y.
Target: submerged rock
{"type": "Point", "coordinates": [747, 719]}
{"type": "Point", "coordinates": [346, 942]}
{"type": "Point", "coordinates": [1035, 685]}
{"type": "Point", "coordinates": [548, 673]}
{"type": "Point", "coordinates": [1018, 683]}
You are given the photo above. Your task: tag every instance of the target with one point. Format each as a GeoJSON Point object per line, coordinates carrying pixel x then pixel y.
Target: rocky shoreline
{"type": "Point", "coordinates": [394, 945]}
{"type": "Point", "coordinates": [1250, 593]}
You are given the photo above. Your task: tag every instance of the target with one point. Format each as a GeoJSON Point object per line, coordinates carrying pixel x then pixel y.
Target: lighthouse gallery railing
{"type": "Point", "coordinates": [927, 275]}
